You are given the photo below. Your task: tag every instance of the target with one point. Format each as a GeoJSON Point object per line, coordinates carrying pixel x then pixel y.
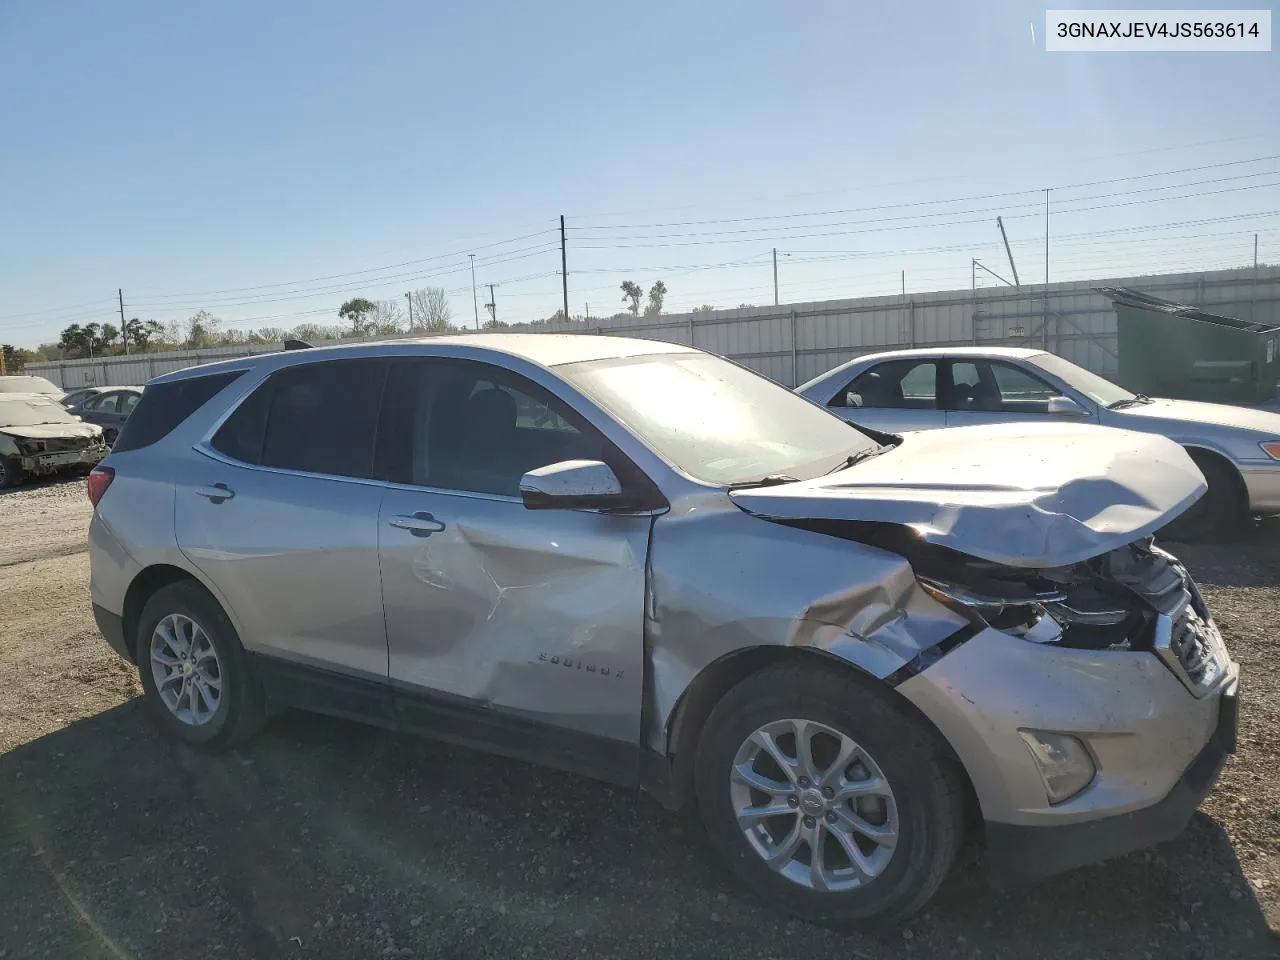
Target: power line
{"type": "Point", "coordinates": [770, 232]}
{"type": "Point", "coordinates": [917, 181]}
{"type": "Point", "coordinates": [909, 226]}
{"type": "Point", "coordinates": [328, 290]}
{"type": "Point", "coordinates": [353, 273]}
{"type": "Point", "coordinates": [925, 203]}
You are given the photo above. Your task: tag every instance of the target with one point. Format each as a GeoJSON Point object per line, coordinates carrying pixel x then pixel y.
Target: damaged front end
{"type": "Point", "coordinates": [1134, 598]}
{"type": "Point", "coordinates": [42, 456]}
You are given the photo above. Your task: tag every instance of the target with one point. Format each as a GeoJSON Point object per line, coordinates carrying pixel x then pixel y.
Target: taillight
{"type": "Point", "coordinates": [99, 479]}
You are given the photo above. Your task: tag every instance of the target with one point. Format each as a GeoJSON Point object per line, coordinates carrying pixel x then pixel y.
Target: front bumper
{"type": "Point", "coordinates": [111, 626]}
{"type": "Point", "coordinates": [1262, 483]}
{"type": "Point", "coordinates": [41, 463]}
{"type": "Point", "coordinates": [1019, 852]}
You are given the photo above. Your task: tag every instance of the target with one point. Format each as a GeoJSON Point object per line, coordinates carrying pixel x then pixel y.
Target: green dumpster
{"type": "Point", "coordinates": [1169, 349]}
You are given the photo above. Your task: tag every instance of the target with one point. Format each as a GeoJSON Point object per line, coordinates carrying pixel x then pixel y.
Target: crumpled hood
{"type": "Point", "coordinates": [1026, 495]}
{"type": "Point", "coordinates": [52, 431]}
{"type": "Point", "coordinates": [1191, 411]}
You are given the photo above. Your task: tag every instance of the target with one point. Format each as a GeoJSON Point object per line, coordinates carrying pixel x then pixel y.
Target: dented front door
{"type": "Point", "coordinates": [539, 613]}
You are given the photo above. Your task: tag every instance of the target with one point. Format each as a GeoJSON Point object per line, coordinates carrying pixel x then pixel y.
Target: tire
{"type": "Point", "coordinates": [926, 787]}
{"type": "Point", "coordinates": [239, 710]}
{"type": "Point", "coordinates": [1219, 513]}
{"type": "Point", "coordinates": [11, 472]}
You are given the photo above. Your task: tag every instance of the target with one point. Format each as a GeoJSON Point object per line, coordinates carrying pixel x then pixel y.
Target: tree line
{"type": "Point", "coordinates": [360, 317]}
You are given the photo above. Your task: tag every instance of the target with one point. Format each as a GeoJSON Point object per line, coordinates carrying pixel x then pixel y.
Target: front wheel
{"type": "Point", "coordinates": [195, 674]}
{"type": "Point", "coordinates": [11, 472]}
{"type": "Point", "coordinates": [1217, 514]}
{"type": "Point", "coordinates": [828, 798]}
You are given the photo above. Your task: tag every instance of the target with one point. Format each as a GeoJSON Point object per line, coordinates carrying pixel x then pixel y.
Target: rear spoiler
{"type": "Point", "coordinates": [297, 345]}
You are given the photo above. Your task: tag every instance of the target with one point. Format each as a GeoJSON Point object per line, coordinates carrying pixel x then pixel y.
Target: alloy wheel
{"type": "Point", "coordinates": [186, 669]}
{"type": "Point", "coordinates": [814, 805]}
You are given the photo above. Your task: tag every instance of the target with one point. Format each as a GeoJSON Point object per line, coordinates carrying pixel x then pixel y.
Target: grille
{"type": "Point", "coordinates": [1188, 642]}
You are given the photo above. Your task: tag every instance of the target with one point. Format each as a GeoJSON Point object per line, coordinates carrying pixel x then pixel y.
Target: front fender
{"type": "Point", "coordinates": [722, 581]}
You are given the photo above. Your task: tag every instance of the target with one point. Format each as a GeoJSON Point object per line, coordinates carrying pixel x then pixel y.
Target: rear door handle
{"type": "Point", "coordinates": [420, 524]}
{"type": "Point", "coordinates": [216, 492]}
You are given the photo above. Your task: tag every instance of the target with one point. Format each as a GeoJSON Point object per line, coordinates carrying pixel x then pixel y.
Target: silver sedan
{"type": "Point", "coordinates": [1236, 448]}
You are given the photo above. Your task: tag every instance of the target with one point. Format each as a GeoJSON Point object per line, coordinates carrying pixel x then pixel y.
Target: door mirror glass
{"type": "Point", "coordinates": [1065, 407]}
{"type": "Point", "coordinates": [571, 484]}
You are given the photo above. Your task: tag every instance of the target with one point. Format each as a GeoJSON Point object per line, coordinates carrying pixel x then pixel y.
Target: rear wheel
{"type": "Point", "coordinates": [826, 797]}
{"type": "Point", "coordinates": [1219, 513]}
{"type": "Point", "coordinates": [195, 674]}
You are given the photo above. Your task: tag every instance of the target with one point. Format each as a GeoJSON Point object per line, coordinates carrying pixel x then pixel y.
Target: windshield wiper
{"type": "Point", "coordinates": [1133, 401]}
{"type": "Point", "coordinates": [771, 480]}
{"type": "Point", "coordinates": [856, 458]}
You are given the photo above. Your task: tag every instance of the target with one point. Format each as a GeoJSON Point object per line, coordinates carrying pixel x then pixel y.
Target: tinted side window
{"type": "Point", "coordinates": [1021, 392]}
{"type": "Point", "coordinates": [240, 436]}
{"type": "Point", "coordinates": [103, 403]}
{"type": "Point", "coordinates": [322, 417]}
{"type": "Point", "coordinates": [165, 405]}
{"type": "Point", "coordinates": [468, 426]}
{"type": "Point", "coordinates": [967, 390]}
{"type": "Point", "coordinates": [899, 384]}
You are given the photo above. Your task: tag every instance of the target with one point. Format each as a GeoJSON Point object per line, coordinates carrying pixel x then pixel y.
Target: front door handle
{"type": "Point", "coordinates": [420, 524]}
{"type": "Point", "coordinates": [216, 492]}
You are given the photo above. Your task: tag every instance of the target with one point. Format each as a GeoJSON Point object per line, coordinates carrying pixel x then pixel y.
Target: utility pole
{"type": "Point", "coordinates": [475, 304]}
{"type": "Point", "coordinates": [588, 310]}
{"type": "Point", "coordinates": [1008, 252]}
{"type": "Point", "coordinates": [492, 305]}
{"type": "Point", "coordinates": [973, 276]}
{"type": "Point", "coordinates": [564, 271]}
{"type": "Point", "coordinates": [124, 334]}
{"type": "Point", "coordinates": [1253, 294]}
{"type": "Point", "coordinates": [775, 276]}
{"type": "Point", "coordinates": [904, 284]}
{"type": "Point", "coordinates": [1044, 325]}
{"type": "Point", "coordinates": [409, 297]}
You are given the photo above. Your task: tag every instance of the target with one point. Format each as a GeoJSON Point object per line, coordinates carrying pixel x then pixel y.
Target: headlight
{"type": "Point", "coordinates": [1271, 448]}
{"type": "Point", "coordinates": [1064, 761]}
{"type": "Point", "coordinates": [1024, 617]}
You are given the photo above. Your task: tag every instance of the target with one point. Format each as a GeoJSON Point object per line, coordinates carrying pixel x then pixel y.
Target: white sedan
{"type": "Point", "coordinates": [1236, 448]}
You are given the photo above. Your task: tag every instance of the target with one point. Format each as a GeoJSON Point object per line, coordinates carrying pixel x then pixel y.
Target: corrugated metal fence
{"type": "Point", "coordinates": [795, 342]}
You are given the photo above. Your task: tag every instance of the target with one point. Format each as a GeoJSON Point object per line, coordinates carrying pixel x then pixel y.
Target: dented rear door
{"type": "Point", "coordinates": [537, 614]}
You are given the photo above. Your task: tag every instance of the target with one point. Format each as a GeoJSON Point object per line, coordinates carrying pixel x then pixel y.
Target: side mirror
{"type": "Point", "coordinates": [572, 485]}
{"type": "Point", "coordinates": [1066, 407]}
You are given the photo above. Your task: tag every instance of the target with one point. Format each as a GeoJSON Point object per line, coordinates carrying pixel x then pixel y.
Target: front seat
{"type": "Point", "coordinates": [986, 397]}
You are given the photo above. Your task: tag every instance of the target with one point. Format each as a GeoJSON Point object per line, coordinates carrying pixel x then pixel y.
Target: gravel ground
{"type": "Point", "coordinates": [328, 839]}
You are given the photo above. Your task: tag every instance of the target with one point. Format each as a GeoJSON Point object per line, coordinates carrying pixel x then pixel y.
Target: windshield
{"type": "Point", "coordinates": [1098, 389]}
{"type": "Point", "coordinates": [716, 421]}
{"type": "Point", "coordinates": [31, 411]}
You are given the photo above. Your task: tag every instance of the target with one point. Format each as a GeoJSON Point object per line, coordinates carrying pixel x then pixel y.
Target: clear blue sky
{"type": "Point", "coordinates": [181, 150]}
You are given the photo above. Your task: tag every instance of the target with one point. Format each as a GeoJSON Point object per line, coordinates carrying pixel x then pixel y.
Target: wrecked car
{"type": "Point", "coordinates": [19, 383]}
{"type": "Point", "coordinates": [38, 437]}
{"type": "Point", "coordinates": [646, 564]}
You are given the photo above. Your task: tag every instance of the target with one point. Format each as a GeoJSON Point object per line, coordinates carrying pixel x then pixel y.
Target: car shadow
{"type": "Point", "coordinates": [342, 840]}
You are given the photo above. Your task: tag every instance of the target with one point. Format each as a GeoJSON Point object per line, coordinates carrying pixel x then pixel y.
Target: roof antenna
{"type": "Point", "coordinates": [297, 345]}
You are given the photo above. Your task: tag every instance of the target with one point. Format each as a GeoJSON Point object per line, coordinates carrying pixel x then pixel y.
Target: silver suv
{"type": "Point", "coordinates": [652, 566]}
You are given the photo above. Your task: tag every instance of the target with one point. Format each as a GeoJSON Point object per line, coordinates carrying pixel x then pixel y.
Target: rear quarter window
{"type": "Point", "coordinates": [165, 405]}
